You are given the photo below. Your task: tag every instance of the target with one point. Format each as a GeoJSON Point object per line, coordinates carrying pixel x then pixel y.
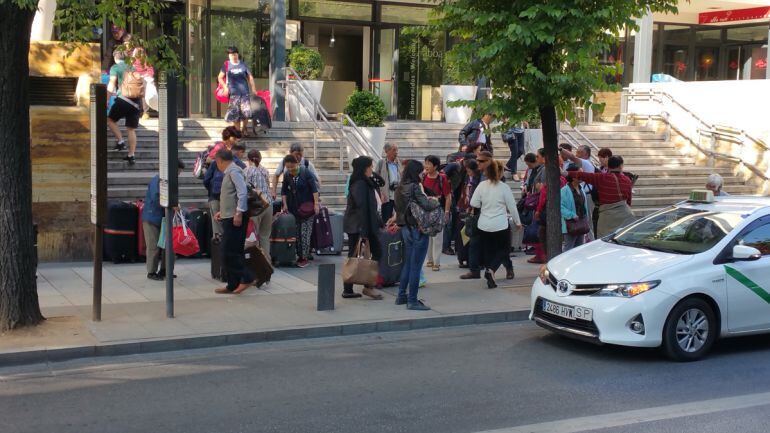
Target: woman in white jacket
{"type": "Point", "coordinates": [496, 203]}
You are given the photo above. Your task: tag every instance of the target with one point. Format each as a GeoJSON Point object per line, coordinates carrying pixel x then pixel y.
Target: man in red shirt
{"type": "Point", "coordinates": [615, 191]}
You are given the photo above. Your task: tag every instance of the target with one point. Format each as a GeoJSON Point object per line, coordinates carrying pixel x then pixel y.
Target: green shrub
{"type": "Point", "coordinates": [366, 109]}
{"type": "Point", "coordinates": [307, 62]}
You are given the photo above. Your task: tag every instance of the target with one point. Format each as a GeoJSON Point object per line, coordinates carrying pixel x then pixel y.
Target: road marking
{"type": "Point", "coordinates": [618, 419]}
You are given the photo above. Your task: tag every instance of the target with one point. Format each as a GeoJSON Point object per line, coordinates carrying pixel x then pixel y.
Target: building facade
{"type": "Point", "coordinates": [371, 44]}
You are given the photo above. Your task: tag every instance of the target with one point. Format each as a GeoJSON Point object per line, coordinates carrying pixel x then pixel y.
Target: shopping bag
{"type": "Point", "coordinates": [162, 236]}
{"type": "Point", "coordinates": [360, 269]}
{"type": "Point", "coordinates": [184, 241]}
{"type": "Point", "coordinates": [151, 93]}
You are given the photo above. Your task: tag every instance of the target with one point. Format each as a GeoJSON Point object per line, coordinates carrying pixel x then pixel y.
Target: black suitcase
{"type": "Point", "coordinates": [259, 115]}
{"type": "Point", "coordinates": [218, 271]}
{"type": "Point", "coordinates": [283, 240]}
{"type": "Point", "coordinates": [199, 223]}
{"type": "Point", "coordinates": [256, 261]}
{"type": "Point", "coordinates": [392, 260]}
{"type": "Point", "coordinates": [120, 241]}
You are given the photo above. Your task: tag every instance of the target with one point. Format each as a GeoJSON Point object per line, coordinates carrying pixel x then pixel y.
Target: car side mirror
{"type": "Point", "coordinates": [743, 253]}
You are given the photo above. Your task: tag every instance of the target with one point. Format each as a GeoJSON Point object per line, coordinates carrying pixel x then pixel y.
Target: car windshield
{"type": "Point", "coordinates": [678, 230]}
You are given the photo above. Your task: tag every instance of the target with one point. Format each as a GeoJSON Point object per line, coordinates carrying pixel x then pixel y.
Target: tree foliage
{"type": "Point", "coordinates": [539, 56]}
{"type": "Point", "coordinates": [536, 53]}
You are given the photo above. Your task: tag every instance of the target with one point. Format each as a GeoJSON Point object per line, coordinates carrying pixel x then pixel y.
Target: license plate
{"type": "Point", "coordinates": [572, 313]}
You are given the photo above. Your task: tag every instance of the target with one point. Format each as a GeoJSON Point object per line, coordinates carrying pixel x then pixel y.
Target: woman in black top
{"type": "Point", "coordinates": [362, 220]}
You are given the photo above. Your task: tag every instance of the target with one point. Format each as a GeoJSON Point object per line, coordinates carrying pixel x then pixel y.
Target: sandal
{"type": "Point", "coordinates": [436, 267]}
{"type": "Point", "coordinates": [429, 264]}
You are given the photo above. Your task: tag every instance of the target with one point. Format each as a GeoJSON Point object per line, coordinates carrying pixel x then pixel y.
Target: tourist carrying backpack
{"type": "Point", "coordinates": [415, 214]}
{"type": "Point", "coordinates": [129, 86]}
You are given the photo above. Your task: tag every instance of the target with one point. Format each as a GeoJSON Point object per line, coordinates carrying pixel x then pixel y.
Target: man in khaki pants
{"type": "Point", "coordinates": [258, 178]}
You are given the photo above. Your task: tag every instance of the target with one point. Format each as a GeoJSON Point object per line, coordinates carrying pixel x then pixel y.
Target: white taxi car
{"type": "Point", "coordinates": [679, 278]}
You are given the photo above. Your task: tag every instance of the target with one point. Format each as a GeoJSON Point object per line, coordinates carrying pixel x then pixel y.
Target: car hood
{"type": "Point", "coordinates": [602, 262]}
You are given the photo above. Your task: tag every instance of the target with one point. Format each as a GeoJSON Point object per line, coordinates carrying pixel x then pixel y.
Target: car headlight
{"type": "Point", "coordinates": [545, 275]}
{"type": "Point", "coordinates": [627, 290]}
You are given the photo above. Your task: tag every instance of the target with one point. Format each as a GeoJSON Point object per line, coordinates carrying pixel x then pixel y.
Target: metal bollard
{"type": "Point", "coordinates": [326, 278]}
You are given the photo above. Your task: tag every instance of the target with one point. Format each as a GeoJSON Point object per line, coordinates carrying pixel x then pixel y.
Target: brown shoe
{"type": "Point", "coordinates": [536, 260]}
{"type": "Point", "coordinates": [368, 291]}
{"type": "Point", "coordinates": [470, 276]}
{"type": "Point", "coordinates": [241, 288]}
{"type": "Point", "coordinates": [509, 274]}
{"type": "Point", "coordinates": [222, 291]}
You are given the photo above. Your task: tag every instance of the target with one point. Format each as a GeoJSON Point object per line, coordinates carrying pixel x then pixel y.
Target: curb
{"type": "Point", "coordinates": [11, 358]}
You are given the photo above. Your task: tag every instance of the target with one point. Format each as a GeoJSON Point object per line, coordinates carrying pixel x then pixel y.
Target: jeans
{"type": "Point", "coordinates": [571, 241]}
{"type": "Point", "coordinates": [415, 248]}
{"type": "Point", "coordinates": [233, 239]}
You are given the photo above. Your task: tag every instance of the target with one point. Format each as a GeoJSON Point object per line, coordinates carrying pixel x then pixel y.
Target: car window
{"type": "Point", "coordinates": [679, 230]}
{"type": "Point", "coordinates": [758, 238]}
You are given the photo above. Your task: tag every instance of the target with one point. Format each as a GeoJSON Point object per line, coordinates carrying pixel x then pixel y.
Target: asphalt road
{"type": "Point", "coordinates": [506, 378]}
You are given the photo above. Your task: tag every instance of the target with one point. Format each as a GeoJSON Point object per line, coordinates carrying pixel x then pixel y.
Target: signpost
{"type": "Point", "coordinates": [98, 188]}
{"type": "Point", "coordinates": [169, 175]}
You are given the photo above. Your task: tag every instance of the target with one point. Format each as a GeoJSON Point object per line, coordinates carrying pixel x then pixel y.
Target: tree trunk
{"type": "Point", "coordinates": [552, 174]}
{"type": "Point", "coordinates": [18, 287]}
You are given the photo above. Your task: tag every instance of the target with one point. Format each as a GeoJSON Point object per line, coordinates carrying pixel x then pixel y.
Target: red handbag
{"type": "Point", "coordinates": [184, 240]}
{"type": "Point", "coordinates": [219, 93]}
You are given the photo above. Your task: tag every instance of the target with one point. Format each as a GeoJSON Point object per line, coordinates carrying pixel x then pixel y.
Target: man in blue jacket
{"type": "Point", "coordinates": [152, 217]}
{"type": "Point", "coordinates": [212, 180]}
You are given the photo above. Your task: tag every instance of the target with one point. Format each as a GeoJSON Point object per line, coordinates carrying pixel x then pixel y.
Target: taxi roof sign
{"type": "Point", "coordinates": [701, 196]}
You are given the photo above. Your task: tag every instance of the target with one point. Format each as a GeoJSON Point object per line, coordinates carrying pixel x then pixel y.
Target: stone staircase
{"type": "Point", "coordinates": [666, 172]}
{"type": "Point", "coordinates": [415, 140]}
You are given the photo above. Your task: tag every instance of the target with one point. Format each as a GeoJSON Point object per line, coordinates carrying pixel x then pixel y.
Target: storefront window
{"type": "Point", "coordinates": [676, 61]}
{"type": "Point", "coordinates": [335, 9]}
{"type": "Point", "coordinates": [405, 14]}
{"type": "Point", "coordinates": [747, 34]}
{"type": "Point", "coordinates": [709, 36]}
{"type": "Point", "coordinates": [707, 63]}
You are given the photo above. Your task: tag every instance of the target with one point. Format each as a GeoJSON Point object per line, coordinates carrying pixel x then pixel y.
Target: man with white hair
{"type": "Point", "coordinates": [390, 169]}
{"type": "Point", "coordinates": [714, 184]}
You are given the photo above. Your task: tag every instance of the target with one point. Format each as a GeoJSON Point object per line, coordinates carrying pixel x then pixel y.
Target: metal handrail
{"type": "Point", "coordinates": [573, 141]}
{"type": "Point", "coordinates": [652, 93]}
{"type": "Point", "coordinates": [704, 128]}
{"type": "Point", "coordinates": [346, 131]}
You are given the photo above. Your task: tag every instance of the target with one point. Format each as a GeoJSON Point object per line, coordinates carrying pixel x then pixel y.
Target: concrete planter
{"type": "Point", "coordinates": [296, 113]}
{"type": "Point", "coordinates": [376, 136]}
{"type": "Point", "coordinates": [458, 115]}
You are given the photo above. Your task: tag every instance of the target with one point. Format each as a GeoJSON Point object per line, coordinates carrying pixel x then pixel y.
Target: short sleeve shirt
{"type": "Point", "coordinates": [117, 70]}
{"type": "Point", "coordinates": [439, 186]}
{"type": "Point", "coordinates": [237, 78]}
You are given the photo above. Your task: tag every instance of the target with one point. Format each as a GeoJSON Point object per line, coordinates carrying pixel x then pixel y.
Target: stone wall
{"type": "Point", "coordinates": [60, 150]}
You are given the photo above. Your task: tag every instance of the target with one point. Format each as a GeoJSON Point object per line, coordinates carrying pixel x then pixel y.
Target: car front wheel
{"type": "Point", "coordinates": [690, 330]}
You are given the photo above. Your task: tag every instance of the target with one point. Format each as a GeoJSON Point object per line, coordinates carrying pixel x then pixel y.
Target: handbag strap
{"type": "Point", "coordinates": [617, 185]}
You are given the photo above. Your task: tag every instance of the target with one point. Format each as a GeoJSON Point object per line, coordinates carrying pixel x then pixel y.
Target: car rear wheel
{"type": "Point", "coordinates": [690, 330]}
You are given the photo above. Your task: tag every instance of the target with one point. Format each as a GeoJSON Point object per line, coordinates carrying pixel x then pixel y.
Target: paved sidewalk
{"type": "Point", "coordinates": [134, 307]}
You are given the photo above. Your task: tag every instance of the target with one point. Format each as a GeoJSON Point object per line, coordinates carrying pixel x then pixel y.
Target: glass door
{"type": "Point", "coordinates": [385, 59]}
{"type": "Point", "coordinates": [420, 74]}
{"type": "Point", "coordinates": [197, 72]}
{"type": "Point", "coordinates": [239, 29]}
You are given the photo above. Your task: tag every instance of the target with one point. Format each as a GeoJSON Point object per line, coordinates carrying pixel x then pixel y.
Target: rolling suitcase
{"type": "Point", "coordinates": [141, 247]}
{"type": "Point", "coordinates": [392, 260]}
{"type": "Point", "coordinates": [120, 232]}
{"type": "Point", "coordinates": [260, 116]}
{"type": "Point", "coordinates": [335, 220]}
{"type": "Point", "coordinates": [218, 271]}
{"type": "Point", "coordinates": [200, 224]}
{"type": "Point", "coordinates": [283, 240]}
{"type": "Point", "coordinates": [257, 262]}
{"type": "Point", "coordinates": [322, 231]}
